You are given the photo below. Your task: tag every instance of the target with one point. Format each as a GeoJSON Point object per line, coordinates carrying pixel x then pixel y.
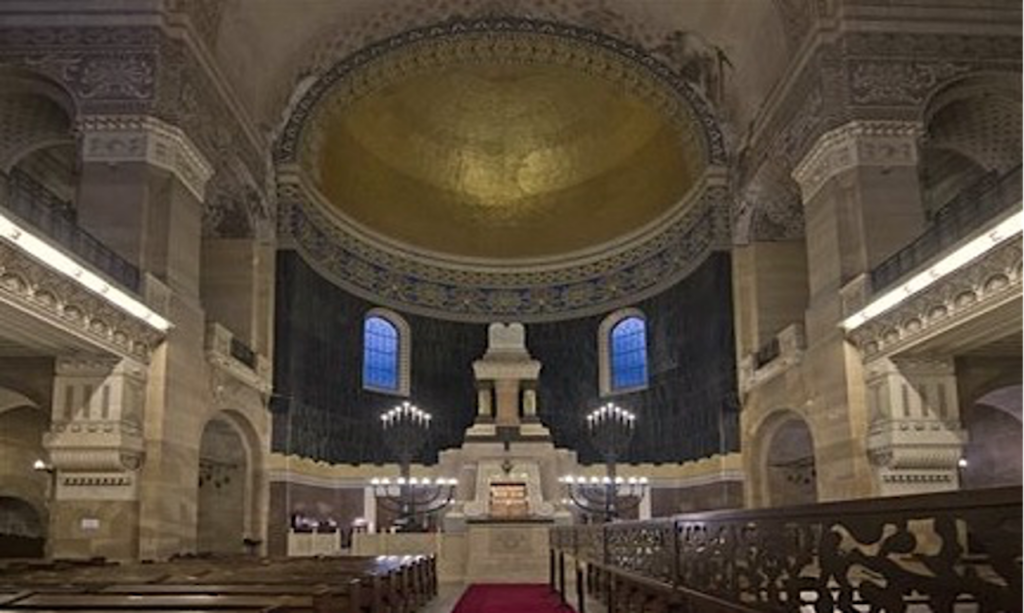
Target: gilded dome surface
{"type": "Point", "coordinates": [502, 168]}
{"type": "Point", "coordinates": [503, 160]}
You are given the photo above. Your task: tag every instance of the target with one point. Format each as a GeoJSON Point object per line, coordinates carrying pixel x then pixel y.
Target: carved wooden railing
{"type": "Point", "coordinates": [958, 551]}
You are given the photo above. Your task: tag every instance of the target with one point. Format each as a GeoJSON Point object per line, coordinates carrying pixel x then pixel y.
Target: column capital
{"type": "Point", "coordinates": [857, 143]}
{"type": "Point", "coordinates": [143, 138]}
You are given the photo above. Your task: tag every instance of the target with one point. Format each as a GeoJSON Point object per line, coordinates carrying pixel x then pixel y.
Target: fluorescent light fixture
{"type": "Point", "coordinates": [1006, 229]}
{"type": "Point", "coordinates": [59, 261]}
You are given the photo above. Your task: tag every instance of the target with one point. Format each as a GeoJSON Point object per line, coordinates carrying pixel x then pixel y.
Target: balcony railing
{"type": "Point", "coordinates": [991, 195]}
{"type": "Point", "coordinates": [33, 204]}
{"type": "Point", "coordinates": [957, 551]}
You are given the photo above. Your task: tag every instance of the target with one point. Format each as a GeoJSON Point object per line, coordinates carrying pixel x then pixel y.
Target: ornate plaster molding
{"type": "Point", "coordinates": [32, 287]}
{"type": "Point", "coordinates": [140, 138]}
{"type": "Point", "coordinates": [868, 74]}
{"type": "Point", "coordinates": [437, 285]}
{"type": "Point", "coordinates": [978, 287]}
{"type": "Point", "coordinates": [477, 293]}
{"type": "Point", "coordinates": [915, 455]}
{"type": "Point", "coordinates": [857, 143]}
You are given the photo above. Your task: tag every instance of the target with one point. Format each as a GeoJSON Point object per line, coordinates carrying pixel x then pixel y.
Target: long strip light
{"type": "Point", "coordinates": [57, 260]}
{"type": "Point", "coordinates": [979, 246]}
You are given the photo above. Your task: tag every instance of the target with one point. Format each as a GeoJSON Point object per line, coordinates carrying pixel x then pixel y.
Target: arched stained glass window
{"type": "Point", "coordinates": [628, 348]}
{"type": "Point", "coordinates": [381, 357]}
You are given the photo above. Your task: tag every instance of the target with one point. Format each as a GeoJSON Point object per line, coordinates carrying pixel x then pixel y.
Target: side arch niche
{"type": "Point", "coordinates": [227, 514]}
{"type": "Point", "coordinates": [23, 490]}
{"type": "Point", "coordinates": [784, 447]}
{"type": "Point", "coordinates": [991, 457]}
{"type": "Point", "coordinates": [22, 529]}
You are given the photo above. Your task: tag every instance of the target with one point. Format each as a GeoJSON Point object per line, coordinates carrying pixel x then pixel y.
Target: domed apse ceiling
{"type": "Point", "coordinates": [503, 168]}
{"type": "Point", "coordinates": [492, 160]}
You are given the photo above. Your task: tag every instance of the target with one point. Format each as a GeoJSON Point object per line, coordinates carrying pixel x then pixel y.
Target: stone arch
{"type": "Point", "coordinates": [972, 130]}
{"type": "Point", "coordinates": [38, 153]}
{"type": "Point", "coordinates": [991, 455]}
{"type": "Point", "coordinates": [405, 340]}
{"type": "Point", "coordinates": [784, 460]}
{"type": "Point", "coordinates": [12, 399]}
{"type": "Point", "coordinates": [230, 484]}
{"type": "Point", "coordinates": [35, 113]}
{"type": "Point", "coordinates": [604, 349]}
{"type": "Point", "coordinates": [22, 426]}
{"type": "Point", "coordinates": [22, 528]}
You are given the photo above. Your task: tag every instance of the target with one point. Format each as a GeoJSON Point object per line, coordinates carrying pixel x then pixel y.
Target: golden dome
{"type": "Point", "coordinates": [498, 160]}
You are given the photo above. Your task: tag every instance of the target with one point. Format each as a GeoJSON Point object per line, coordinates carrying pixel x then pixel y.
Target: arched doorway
{"type": "Point", "coordinates": [23, 490]}
{"type": "Point", "coordinates": [224, 489]}
{"type": "Point", "coordinates": [992, 455]}
{"type": "Point", "coordinates": [790, 472]}
{"type": "Point", "coordinates": [22, 529]}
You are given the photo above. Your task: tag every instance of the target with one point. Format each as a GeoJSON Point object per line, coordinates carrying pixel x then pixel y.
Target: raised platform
{"type": "Point", "coordinates": [507, 551]}
{"type": "Point", "coordinates": [499, 551]}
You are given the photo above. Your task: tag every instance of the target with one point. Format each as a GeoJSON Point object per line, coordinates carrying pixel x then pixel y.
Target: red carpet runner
{"type": "Point", "coordinates": [509, 598]}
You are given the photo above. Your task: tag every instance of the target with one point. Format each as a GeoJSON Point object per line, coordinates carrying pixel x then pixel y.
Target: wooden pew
{"type": "Point", "coordinates": [388, 584]}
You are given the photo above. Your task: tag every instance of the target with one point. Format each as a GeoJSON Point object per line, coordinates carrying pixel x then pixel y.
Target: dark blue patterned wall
{"type": "Point", "coordinates": [689, 408]}
{"type": "Point", "coordinates": [322, 412]}
{"type": "Point", "coordinates": [320, 408]}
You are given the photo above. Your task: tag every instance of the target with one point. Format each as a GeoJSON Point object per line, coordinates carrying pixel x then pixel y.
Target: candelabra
{"type": "Point", "coordinates": [413, 500]}
{"type": "Point", "coordinates": [610, 428]}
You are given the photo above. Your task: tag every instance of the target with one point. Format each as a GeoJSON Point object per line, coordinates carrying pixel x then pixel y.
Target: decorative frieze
{"type": "Point", "coordinates": [477, 292]}
{"type": "Point", "coordinates": [858, 143]}
{"type": "Point", "coordinates": [978, 287]}
{"type": "Point", "coordinates": [138, 138]}
{"type": "Point", "coordinates": [33, 287]}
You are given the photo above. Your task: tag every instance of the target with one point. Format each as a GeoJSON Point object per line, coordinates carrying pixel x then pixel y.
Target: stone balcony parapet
{"type": "Point", "coordinates": [783, 351]}
{"type": "Point", "coordinates": [982, 286]}
{"type": "Point", "coordinates": [224, 352]}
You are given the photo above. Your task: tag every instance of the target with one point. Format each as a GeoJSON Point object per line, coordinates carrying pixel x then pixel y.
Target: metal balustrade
{"type": "Point", "coordinates": [983, 201]}
{"type": "Point", "coordinates": [956, 551]}
{"type": "Point", "coordinates": [33, 204]}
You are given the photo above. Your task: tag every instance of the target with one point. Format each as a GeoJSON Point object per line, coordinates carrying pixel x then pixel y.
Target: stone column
{"type": "Point", "coordinates": [96, 449]}
{"type": "Point", "coordinates": [141, 183]}
{"type": "Point", "coordinates": [142, 187]}
{"type": "Point", "coordinates": [915, 440]}
{"type": "Point", "coordinates": [862, 202]}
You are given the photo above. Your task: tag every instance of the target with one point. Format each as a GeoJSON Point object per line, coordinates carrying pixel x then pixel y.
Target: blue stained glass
{"type": "Point", "coordinates": [380, 354]}
{"type": "Point", "coordinates": [629, 353]}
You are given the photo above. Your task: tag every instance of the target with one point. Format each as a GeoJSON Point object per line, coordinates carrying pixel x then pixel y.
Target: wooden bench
{"type": "Point", "coordinates": [387, 584]}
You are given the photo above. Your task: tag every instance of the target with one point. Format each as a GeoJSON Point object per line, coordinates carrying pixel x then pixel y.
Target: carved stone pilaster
{"type": "Point", "coordinates": [95, 443]}
{"type": "Point", "coordinates": [914, 437]}
{"type": "Point", "coordinates": [857, 143]}
{"type": "Point", "coordinates": [141, 138]}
